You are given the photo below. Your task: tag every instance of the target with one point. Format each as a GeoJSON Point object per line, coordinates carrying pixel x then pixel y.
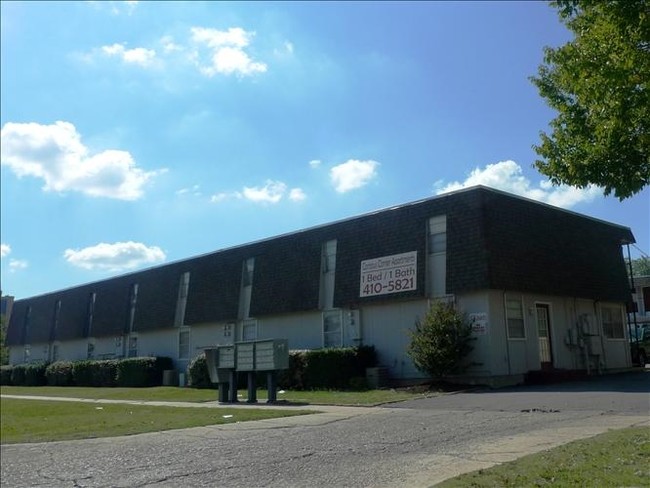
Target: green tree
{"type": "Point", "coordinates": [441, 341]}
{"type": "Point", "coordinates": [598, 84]}
{"type": "Point", "coordinates": [4, 350]}
{"type": "Point", "coordinates": [641, 266]}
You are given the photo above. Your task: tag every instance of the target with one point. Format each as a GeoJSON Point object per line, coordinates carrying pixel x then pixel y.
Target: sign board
{"type": "Point", "coordinates": [479, 323]}
{"type": "Point", "coordinates": [389, 274]}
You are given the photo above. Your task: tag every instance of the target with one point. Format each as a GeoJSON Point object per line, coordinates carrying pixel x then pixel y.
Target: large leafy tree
{"type": "Point", "coordinates": [599, 85]}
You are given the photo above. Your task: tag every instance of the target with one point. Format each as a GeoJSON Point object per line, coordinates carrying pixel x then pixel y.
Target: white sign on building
{"type": "Point", "coordinates": [389, 274]}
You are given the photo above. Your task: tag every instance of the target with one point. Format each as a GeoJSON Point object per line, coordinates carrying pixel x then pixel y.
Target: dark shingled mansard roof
{"type": "Point", "coordinates": [494, 241]}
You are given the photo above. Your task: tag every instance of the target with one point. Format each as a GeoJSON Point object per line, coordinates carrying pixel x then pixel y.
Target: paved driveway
{"type": "Point", "coordinates": [416, 443]}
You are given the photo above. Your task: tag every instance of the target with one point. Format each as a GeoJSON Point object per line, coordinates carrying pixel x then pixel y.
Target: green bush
{"type": "Point", "coordinates": [5, 374]}
{"type": "Point", "coordinates": [104, 372]}
{"type": "Point", "coordinates": [198, 374]}
{"type": "Point", "coordinates": [441, 341]}
{"type": "Point", "coordinates": [18, 375]}
{"type": "Point", "coordinates": [334, 368]}
{"type": "Point", "coordinates": [59, 373]}
{"type": "Point", "coordinates": [142, 371]}
{"type": "Point", "coordinates": [35, 374]}
{"type": "Point", "coordinates": [82, 373]}
{"type": "Point", "coordinates": [294, 377]}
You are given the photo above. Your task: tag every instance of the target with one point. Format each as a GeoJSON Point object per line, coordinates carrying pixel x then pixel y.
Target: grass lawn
{"type": "Point", "coordinates": [42, 421]}
{"type": "Point", "coordinates": [173, 394]}
{"type": "Point", "coordinates": [617, 458]}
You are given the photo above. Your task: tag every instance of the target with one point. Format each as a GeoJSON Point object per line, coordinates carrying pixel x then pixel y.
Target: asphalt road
{"type": "Point", "coordinates": [416, 443]}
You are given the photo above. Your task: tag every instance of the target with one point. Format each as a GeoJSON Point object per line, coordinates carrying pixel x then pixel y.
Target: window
{"type": "Point", "coordinates": [612, 318]}
{"type": "Point", "coordinates": [26, 324]}
{"type": "Point", "coordinates": [184, 343]}
{"type": "Point", "coordinates": [134, 301]}
{"type": "Point", "coordinates": [437, 255]}
{"type": "Point", "coordinates": [55, 352]}
{"type": "Point", "coordinates": [249, 268]}
{"type": "Point", "coordinates": [329, 256]}
{"type": "Point", "coordinates": [55, 320]}
{"type": "Point", "coordinates": [91, 313]}
{"type": "Point", "coordinates": [27, 353]}
{"type": "Point", "coordinates": [90, 350]}
{"type": "Point", "coordinates": [249, 330]}
{"type": "Point", "coordinates": [181, 302]}
{"type": "Point", "coordinates": [133, 347]}
{"type": "Point", "coordinates": [515, 319]}
{"type": "Point", "coordinates": [332, 330]}
{"type": "Point", "coordinates": [328, 269]}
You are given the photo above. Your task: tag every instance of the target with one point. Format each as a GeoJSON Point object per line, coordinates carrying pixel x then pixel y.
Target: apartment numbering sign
{"type": "Point", "coordinates": [389, 274]}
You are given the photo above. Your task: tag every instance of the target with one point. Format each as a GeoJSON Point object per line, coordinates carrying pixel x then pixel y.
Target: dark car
{"type": "Point", "coordinates": [640, 344]}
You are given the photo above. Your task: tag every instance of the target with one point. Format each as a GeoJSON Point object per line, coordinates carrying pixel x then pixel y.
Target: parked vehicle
{"type": "Point", "coordinates": [640, 344]}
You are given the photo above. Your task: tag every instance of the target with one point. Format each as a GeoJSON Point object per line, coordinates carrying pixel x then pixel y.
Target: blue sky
{"type": "Point", "coordinates": [139, 133]}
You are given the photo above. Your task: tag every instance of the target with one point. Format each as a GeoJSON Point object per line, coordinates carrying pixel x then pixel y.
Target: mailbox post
{"type": "Point", "coordinates": [271, 355]}
{"type": "Point", "coordinates": [221, 367]}
{"type": "Point", "coordinates": [246, 362]}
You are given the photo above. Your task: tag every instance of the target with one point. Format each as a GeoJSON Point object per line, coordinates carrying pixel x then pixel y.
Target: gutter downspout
{"type": "Point", "coordinates": [633, 290]}
{"type": "Point", "coordinates": [505, 316]}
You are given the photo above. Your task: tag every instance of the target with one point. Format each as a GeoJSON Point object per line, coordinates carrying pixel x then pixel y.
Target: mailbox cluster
{"type": "Point", "coordinates": [224, 362]}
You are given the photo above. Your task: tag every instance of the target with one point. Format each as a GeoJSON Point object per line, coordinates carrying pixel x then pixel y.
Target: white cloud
{"type": "Point", "coordinates": [115, 7]}
{"type": "Point", "coordinates": [507, 176]}
{"type": "Point", "coordinates": [139, 55]}
{"type": "Point", "coordinates": [56, 154]}
{"type": "Point", "coordinates": [353, 174]}
{"type": "Point", "coordinates": [226, 53]}
{"type": "Point", "coordinates": [220, 197]}
{"type": "Point", "coordinates": [271, 192]}
{"type": "Point", "coordinates": [119, 256]}
{"type": "Point", "coordinates": [315, 163]}
{"type": "Point", "coordinates": [168, 44]}
{"type": "Point", "coordinates": [194, 190]}
{"type": "Point", "coordinates": [17, 264]}
{"type": "Point", "coordinates": [5, 250]}
{"type": "Point", "coordinates": [297, 195]}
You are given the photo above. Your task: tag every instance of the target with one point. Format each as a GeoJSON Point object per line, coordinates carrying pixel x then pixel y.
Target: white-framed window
{"type": "Point", "coordinates": [92, 298]}
{"type": "Point", "coordinates": [227, 329]}
{"type": "Point", "coordinates": [328, 270]}
{"type": "Point", "coordinates": [249, 330]}
{"type": "Point", "coordinates": [181, 302]}
{"type": "Point", "coordinates": [329, 256]}
{"type": "Point", "coordinates": [133, 303]}
{"type": "Point", "coordinates": [332, 329]}
{"type": "Point", "coordinates": [437, 255]}
{"type": "Point", "coordinates": [90, 350]}
{"type": "Point", "coordinates": [133, 347]}
{"type": "Point", "coordinates": [184, 343]}
{"type": "Point", "coordinates": [612, 319]}
{"type": "Point", "coordinates": [515, 319]}
{"type": "Point", "coordinates": [248, 270]}
{"type": "Point", "coordinates": [247, 274]}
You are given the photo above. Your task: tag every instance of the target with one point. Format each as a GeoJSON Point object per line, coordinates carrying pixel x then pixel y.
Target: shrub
{"type": "Point", "coordinates": [104, 372]}
{"type": "Point", "coordinates": [198, 374]}
{"type": "Point", "coordinates": [82, 373]}
{"type": "Point", "coordinates": [142, 371]}
{"type": "Point", "coordinates": [18, 375]}
{"type": "Point", "coordinates": [35, 374]}
{"type": "Point", "coordinates": [334, 368]}
{"type": "Point", "coordinates": [294, 377]}
{"type": "Point", "coordinates": [59, 373]}
{"type": "Point", "coordinates": [5, 374]}
{"type": "Point", "coordinates": [441, 341]}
